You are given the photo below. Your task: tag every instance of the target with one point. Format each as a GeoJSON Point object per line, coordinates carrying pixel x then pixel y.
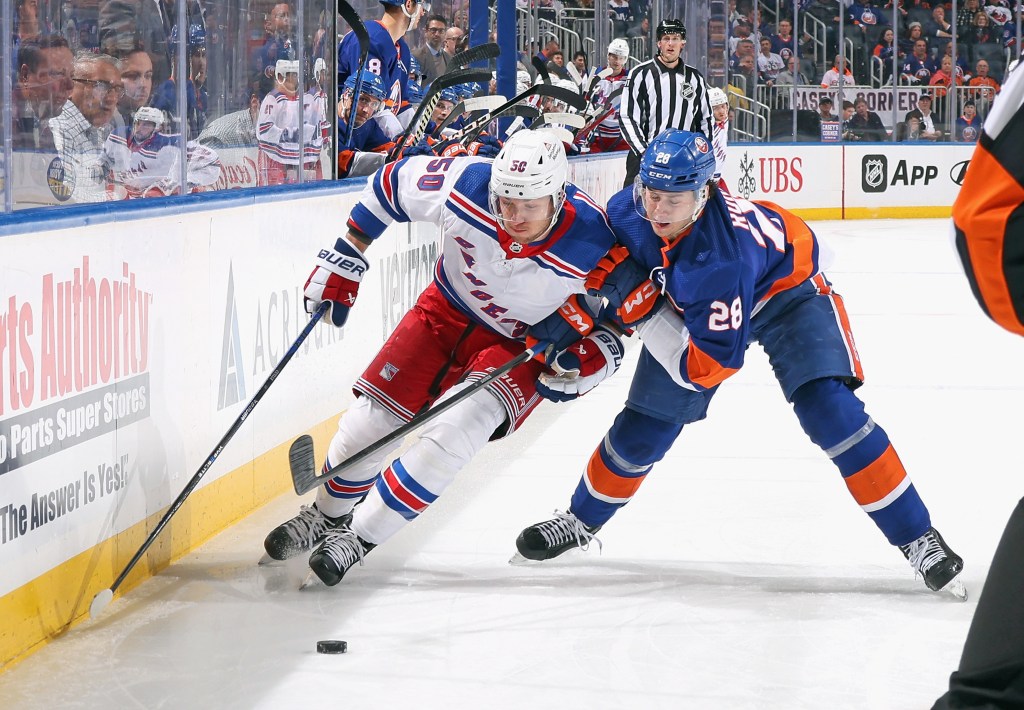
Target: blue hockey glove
{"type": "Point", "coordinates": [572, 321]}
{"type": "Point", "coordinates": [336, 278]}
{"type": "Point", "coordinates": [582, 367]}
{"type": "Point", "coordinates": [421, 148]}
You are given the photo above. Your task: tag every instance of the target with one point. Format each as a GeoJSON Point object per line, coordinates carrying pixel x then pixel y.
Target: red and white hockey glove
{"type": "Point", "coordinates": [582, 367]}
{"type": "Point", "coordinates": [336, 278]}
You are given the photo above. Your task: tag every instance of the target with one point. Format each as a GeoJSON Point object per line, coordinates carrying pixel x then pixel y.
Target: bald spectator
{"type": "Point", "coordinates": [43, 85]}
{"type": "Point", "coordinates": [983, 87]}
{"type": "Point", "coordinates": [84, 125]}
{"type": "Point", "coordinates": [452, 40]}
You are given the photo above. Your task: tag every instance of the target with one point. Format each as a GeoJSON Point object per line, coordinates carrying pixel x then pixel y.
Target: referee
{"type": "Point", "coordinates": [663, 93]}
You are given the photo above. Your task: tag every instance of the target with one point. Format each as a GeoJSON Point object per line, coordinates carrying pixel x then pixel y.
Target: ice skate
{"type": "Point", "coordinates": [340, 549]}
{"type": "Point", "coordinates": [551, 538]}
{"type": "Point", "coordinates": [938, 565]}
{"type": "Point", "coordinates": [300, 534]}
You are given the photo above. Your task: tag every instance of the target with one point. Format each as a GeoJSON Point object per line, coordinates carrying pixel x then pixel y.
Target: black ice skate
{"type": "Point", "coordinates": [551, 538]}
{"type": "Point", "coordinates": [340, 549]}
{"type": "Point", "coordinates": [302, 533]}
{"type": "Point", "coordinates": [931, 558]}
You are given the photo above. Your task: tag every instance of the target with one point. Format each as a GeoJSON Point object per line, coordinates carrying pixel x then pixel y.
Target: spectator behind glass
{"type": "Point", "coordinates": [42, 87]}
{"type": "Point", "coordinates": [914, 69]}
{"type": "Point", "coordinates": [984, 87]}
{"type": "Point", "coordinates": [909, 130]}
{"type": "Point", "coordinates": [931, 128]}
{"type": "Point", "coordinates": [238, 129]}
{"type": "Point", "coordinates": [452, 38]}
{"type": "Point", "coordinates": [556, 67]}
{"type": "Point", "coordinates": [26, 20]}
{"type": "Point", "coordinates": [825, 109]}
{"type": "Point", "coordinates": [278, 42]}
{"type": "Point", "coordinates": [831, 77]}
{"type": "Point", "coordinates": [137, 77]}
{"type": "Point", "coordinates": [937, 29]}
{"type": "Point", "coordinates": [884, 50]}
{"type": "Point", "coordinates": [745, 68]}
{"type": "Point", "coordinates": [968, 125]}
{"type": "Point", "coordinates": [945, 77]}
{"type": "Point", "coordinates": [848, 134]}
{"type": "Point", "coordinates": [82, 128]}
{"type": "Point", "coordinates": [126, 24]}
{"type": "Point", "coordinates": [769, 64]}
{"type": "Point", "coordinates": [864, 124]}
{"type": "Point", "coordinates": [431, 56]}
{"type": "Point", "coordinates": [619, 13]}
{"type": "Point", "coordinates": [166, 95]}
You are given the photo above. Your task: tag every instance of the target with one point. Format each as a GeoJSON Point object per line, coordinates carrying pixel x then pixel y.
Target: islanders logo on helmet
{"type": "Point", "coordinates": [373, 85]}
{"type": "Point", "coordinates": [676, 161]}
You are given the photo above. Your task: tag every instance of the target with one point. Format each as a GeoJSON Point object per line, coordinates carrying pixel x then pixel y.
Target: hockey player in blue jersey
{"type": "Point", "coordinates": [370, 145]}
{"type": "Point", "coordinates": [518, 242]}
{"type": "Point", "coordinates": [707, 274]}
{"type": "Point", "coordinates": [388, 56]}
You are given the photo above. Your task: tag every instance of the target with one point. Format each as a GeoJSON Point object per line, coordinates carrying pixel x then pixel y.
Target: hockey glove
{"type": "Point", "coordinates": [582, 367]}
{"type": "Point", "coordinates": [421, 148]}
{"type": "Point", "coordinates": [616, 276]}
{"type": "Point", "coordinates": [485, 146]}
{"type": "Point", "coordinates": [336, 278]}
{"type": "Point", "coordinates": [572, 321]}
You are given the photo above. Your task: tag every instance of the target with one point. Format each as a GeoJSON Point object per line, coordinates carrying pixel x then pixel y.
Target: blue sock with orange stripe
{"type": "Point", "coordinates": [616, 469]}
{"type": "Point", "coordinates": [834, 418]}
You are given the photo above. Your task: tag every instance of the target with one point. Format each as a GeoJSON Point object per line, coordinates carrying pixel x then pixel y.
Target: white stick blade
{"type": "Point", "coordinates": [566, 119]}
{"type": "Point", "coordinates": [100, 602]}
{"type": "Point", "coordinates": [485, 103]}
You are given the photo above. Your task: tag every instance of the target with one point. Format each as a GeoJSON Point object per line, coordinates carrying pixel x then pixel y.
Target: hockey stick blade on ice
{"type": "Point", "coordinates": [301, 458]}
{"type": "Point", "coordinates": [103, 598]}
{"type": "Point", "coordinates": [420, 119]}
{"type": "Point", "coordinates": [351, 17]}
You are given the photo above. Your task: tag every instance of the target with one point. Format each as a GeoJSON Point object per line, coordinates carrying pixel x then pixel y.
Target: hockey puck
{"type": "Point", "coordinates": [331, 646]}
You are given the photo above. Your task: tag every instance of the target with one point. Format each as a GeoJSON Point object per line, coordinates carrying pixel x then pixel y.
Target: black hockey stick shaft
{"type": "Point", "coordinates": [479, 53]}
{"type": "Point", "coordinates": [473, 128]}
{"type": "Point", "coordinates": [421, 118]}
{"type": "Point", "coordinates": [350, 16]}
{"type": "Point", "coordinates": [303, 468]}
{"type": "Point", "coordinates": [235, 426]}
{"type": "Point", "coordinates": [542, 69]}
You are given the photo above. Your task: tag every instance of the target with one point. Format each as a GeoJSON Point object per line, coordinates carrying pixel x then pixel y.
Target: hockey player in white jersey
{"type": "Point", "coordinates": [146, 164]}
{"type": "Point", "coordinates": [607, 135]}
{"type": "Point", "coordinates": [720, 125]}
{"type": "Point", "coordinates": [517, 244]}
{"type": "Point", "coordinates": [278, 131]}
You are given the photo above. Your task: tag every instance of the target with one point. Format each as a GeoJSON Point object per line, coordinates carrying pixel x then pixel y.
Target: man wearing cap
{"type": "Point", "coordinates": [930, 128]}
{"type": "Point", "coordinates": [661, 93]}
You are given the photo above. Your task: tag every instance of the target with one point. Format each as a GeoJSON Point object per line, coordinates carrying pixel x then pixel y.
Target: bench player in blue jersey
{"type": "Point", "coordinates": [707, 274]}
{"type": "Point", "coordinates": [518, 242]}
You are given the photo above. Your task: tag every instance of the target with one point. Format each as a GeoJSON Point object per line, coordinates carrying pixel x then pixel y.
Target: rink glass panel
{"type": "Point", "coordinates": [58, 155]}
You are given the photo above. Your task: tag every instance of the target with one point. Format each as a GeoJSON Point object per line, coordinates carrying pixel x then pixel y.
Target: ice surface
{"type": "Point", "coordinates": [741, 576]}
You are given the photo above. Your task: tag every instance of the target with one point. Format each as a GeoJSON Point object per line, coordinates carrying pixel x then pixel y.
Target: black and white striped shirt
{"type": "Point", "coordinates": [657, 97]}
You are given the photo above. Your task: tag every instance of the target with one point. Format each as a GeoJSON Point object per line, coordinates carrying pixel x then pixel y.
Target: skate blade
{"type": "Point", "coordinates": [266, 560]}
{"type": "Point", "coordinates": [311, 581]}
{"type": "Point", "coordinates": [517, 560]}
{"type": "Point", "coordinates": [957, 589]}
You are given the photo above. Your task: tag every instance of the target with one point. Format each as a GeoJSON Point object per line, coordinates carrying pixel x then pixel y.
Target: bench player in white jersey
{"type": "Point", "coordinates": [720, 125]}
{"type": "Point", "coordinates": [278, 131]}
{"type": "Point", "coordinates": [517, 243]}
{"type": "Point", "coordinates": [607, 135]}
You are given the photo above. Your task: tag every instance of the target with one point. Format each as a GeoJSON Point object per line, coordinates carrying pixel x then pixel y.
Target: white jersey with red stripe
{"type": "Point", "coordinates": [609, 127]}
{"type": "Point", "coordinates": [482, 272]}
{"type": "Point", "coordinates": [277, 128]}
{"type": "Point", "coordinates": [719, 142]}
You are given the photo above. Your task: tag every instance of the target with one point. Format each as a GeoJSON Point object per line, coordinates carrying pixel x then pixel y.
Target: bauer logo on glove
{"type": "Point", "coordinates": [336, 278]}
{"type": "Point", "coordinates": [582, 366]}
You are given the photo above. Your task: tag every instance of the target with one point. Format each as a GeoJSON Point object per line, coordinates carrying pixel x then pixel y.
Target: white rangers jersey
{"type": "Point", "coordinates": [277, 128]}
{"type": "Point", "coordinates": [719, 143]}
{"type": "Point", "coordinates": [609, 127]}
{"type": "Point", "coordinates": [481, 270]}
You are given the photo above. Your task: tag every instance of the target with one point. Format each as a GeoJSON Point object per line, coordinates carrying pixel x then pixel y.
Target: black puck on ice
{"type": "Point", "coordinates": [331, 646]}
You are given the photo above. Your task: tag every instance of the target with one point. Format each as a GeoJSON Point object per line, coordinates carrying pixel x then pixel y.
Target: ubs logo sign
{"type": "Point", "coordinates": [60, 178]}
{"type": "Point", "coordinates": [959, 171]}
{"type": "Point", "coordinates": [874, 173]}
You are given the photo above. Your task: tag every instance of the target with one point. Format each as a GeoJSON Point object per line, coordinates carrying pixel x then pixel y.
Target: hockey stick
{"type": "Point", "coordinates": [103, 598]}
{"type": "Point", "coordinates": [562, 119]}
{"type": "Point", "coordinates": [350, 16]}
{"type": "Point", "coordinates": [479, 53]}
{"type": "Point", "coordinates": [472, 129]}
{"type": "Point", "coordinates": [420, 119]}
{"type": "Point", "coordinates": [542, 69]}
{"type": "Point", "coordinates": [301, 458]}
{"type": "Point", "coordinates": [476, 103]}
{"type": "Point", "coordinates": [597, 79]}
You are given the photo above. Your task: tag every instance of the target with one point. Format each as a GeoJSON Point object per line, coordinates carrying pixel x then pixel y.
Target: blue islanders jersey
{"type": "Point", "coordinates": [481, 271]}
{"type": "Point", "coordinates": [387, 59]}
{"type": "Point", "coordinates": [719, 274]}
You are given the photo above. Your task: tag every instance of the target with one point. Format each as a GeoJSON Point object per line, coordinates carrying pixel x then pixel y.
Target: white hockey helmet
{"type": "Point", "coordinates": [149, 113]}
{"type": "Point", "coordinates": [619, 47]}
{"type": "Point", "coordinates": [319, 69]}
{"type": "Point", "coordinates": [717, 97]}
{"type": "Point", "coordinates": [284, 67]}
{"type": "Point", "coordinates": [531, 165]}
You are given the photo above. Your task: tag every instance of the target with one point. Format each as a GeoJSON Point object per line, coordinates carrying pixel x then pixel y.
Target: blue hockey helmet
{"type": "Point", "coordinates": [415, 68]}
{"type": "Point", "coordinates": [195, 38]}
{"type": "Point", "coordinates": [373, 85]}
{"type": "Point", "coordinates": [673, 186]}
{"type": "Point", "coordinates": [677, 160]}
{"type": "Point", "coordinates": [449, 95]}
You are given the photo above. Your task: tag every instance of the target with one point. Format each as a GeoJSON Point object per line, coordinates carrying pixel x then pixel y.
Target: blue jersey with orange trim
{"type": "Point", "coordinates": [482, 272]}
{"type": "Point", "coordinates": [719, 274]}
{"type": "Point", "coordinates": [386, 58]}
